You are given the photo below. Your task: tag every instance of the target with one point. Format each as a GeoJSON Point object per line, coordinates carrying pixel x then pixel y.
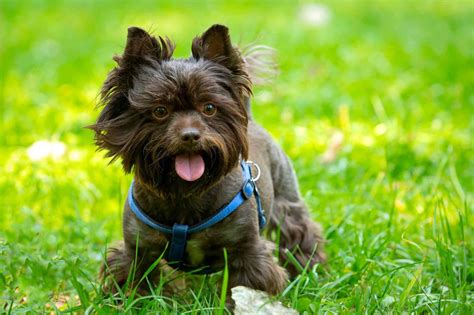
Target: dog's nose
{"type": "Point", "coordinates": [190, 135]}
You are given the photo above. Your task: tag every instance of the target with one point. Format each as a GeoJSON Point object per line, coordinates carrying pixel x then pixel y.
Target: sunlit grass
{"type": "Point", "coordinates": [374, 108]}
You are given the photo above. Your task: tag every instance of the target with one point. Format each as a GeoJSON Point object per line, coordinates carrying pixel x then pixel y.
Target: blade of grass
{"type": "Point", "coordinates": [225, 282]}
{"type": "Point", "coordinates": [408, 289]}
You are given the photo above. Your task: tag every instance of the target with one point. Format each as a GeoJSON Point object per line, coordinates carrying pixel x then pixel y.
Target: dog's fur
{"type": "Point", "coordinates": [147, 77]}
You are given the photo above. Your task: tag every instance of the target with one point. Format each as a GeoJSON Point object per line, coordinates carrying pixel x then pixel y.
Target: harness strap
{"type": "Point", "coordinates": [179, 232]}
{"type": "Point", "coordinates": [262, 221]}
{"type": "Point", "coordinates": [178, 242]}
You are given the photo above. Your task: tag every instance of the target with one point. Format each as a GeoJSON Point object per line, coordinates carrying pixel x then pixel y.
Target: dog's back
{"type": "Point", "coordinates": [289, 218]}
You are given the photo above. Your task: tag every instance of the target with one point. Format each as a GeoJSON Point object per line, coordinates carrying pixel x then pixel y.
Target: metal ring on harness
{"type": "Point", "coordinates": [258, 170]}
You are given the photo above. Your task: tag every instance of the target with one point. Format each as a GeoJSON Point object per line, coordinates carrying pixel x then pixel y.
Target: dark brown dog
{"type": "Point", "coordinates": [182, 126]}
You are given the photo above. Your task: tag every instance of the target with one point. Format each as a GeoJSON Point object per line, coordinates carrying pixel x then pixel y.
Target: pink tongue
{"type": "Point", "coordinates": [189, 166]}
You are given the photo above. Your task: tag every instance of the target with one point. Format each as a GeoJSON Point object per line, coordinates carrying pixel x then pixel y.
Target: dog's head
{"type": "Point", "coordinates": [177, 123]}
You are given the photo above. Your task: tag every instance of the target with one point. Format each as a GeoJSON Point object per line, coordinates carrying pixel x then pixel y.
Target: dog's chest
{"type": "Point", "coordinates": [195, 252]}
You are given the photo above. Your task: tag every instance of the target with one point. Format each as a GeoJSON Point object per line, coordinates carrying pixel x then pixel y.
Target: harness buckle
{"type": "Point", "coordinates": [248, 188]}
{"type": "Point", "coordinates": [259, 172]}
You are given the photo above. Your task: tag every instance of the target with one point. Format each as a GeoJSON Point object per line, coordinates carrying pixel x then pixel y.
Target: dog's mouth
{"type": "Point", "coordinates": [189, 166]}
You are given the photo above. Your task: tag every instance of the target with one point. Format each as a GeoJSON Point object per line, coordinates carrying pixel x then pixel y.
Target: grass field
{"type": "Point", "coordinates": [391, 81]}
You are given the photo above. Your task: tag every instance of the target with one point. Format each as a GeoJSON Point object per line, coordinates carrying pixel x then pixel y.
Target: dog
{"type": "Point", "coordinates": [207, 177]}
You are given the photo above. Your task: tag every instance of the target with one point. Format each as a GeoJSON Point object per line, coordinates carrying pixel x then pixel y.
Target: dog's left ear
{"type": "Point", "coordinates": [215, 45]}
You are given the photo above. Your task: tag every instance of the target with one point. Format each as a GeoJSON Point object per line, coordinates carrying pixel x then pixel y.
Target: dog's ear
{"type": "Point", "coordinates": [115, 123]}
{"type": "Point", "coordinates": [141, 47]}
{"type": "Point", "coordinates": [215, 45]}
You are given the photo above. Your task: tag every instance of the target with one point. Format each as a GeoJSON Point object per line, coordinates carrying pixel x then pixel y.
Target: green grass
{"type": "Point", "coordinates": [395, 78]}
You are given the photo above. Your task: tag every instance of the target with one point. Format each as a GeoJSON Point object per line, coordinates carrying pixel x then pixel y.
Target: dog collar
{"type": "Point", "coordinates": [179, 232]}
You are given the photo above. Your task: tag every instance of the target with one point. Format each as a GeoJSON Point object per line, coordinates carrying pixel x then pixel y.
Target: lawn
{"type": "Point", "coordinates": [374, 104]}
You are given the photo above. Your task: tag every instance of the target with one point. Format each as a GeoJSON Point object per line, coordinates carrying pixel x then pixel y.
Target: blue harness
{"type": "Point", "coordinates": [179, 232]}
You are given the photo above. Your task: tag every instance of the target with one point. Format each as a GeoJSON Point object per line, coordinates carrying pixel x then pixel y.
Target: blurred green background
{"type": "Point", "coordinates": [373, 103]}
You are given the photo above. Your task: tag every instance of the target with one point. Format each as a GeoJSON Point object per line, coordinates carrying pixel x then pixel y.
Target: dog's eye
{"type": "Point", "coordinates": [161, 112]}
{"type": "Point", "coordinates": [209, 109]}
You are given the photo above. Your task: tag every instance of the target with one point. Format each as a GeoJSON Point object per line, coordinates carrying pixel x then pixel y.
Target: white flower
{"type": "Point", "coordinates": [43, 149]}
{"type": "Point", "coordinates": [250, 301]}
{"type": "Point", "coordinates": [314, 14]}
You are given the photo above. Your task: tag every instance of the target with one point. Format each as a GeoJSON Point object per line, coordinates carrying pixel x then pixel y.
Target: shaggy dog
{"type": "Point", "coordinates": [207, 176]}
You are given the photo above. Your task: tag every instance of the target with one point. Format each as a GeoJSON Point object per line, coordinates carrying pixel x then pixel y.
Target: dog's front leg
{"type": "Point", "coordinates": [256, 268]}
{"type": "Point", "coordinates": [129, 270]}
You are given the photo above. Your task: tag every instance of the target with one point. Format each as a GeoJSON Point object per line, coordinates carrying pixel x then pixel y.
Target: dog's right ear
{"type": "Point", "coordinates": [141, 47]}
{"type": "Point", "coordinates": [115, 123]}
